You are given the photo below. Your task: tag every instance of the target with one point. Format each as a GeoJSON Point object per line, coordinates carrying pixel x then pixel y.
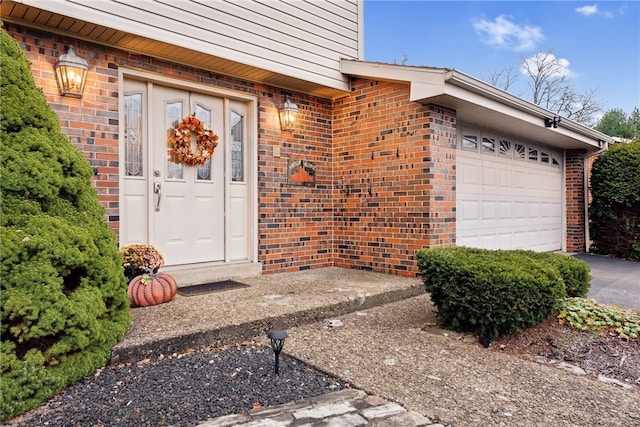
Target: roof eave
{"type": "Point", "coordinates": [480, 103]}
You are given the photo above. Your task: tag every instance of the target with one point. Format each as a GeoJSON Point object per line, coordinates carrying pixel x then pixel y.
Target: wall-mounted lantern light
{"type": "Point", "coordinates": [288, 115]}
{"type": "Point", "coordinates": [552, 122]}
{"type": "Point", "coordinates": [71, 73]}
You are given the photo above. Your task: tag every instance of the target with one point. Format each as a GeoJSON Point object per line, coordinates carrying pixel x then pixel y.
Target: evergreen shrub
{"type": "Point", "coordinates": [63, 292]}
{"type": "Point", "coordinates": [614, 212]}
{"type": "Point", "coordinates": [490, 293]}
{"type": "Point", "coordinates": [576, 274]}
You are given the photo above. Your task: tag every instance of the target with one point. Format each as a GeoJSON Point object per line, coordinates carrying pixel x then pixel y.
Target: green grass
{"type": "Point", "coordinates": [588, 315]}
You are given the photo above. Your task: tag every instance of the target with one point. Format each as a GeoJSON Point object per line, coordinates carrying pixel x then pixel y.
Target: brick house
{"type": "Point", "coordinates": [399, 157]}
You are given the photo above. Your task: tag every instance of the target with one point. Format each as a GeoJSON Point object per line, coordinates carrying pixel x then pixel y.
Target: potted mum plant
{"type": "Point", "coordinates": [139, 259]}
{"type": "Point", "coordinates": [147, 287]}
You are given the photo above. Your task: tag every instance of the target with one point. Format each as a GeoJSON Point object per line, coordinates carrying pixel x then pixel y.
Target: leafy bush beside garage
{"type": "Point", "coordinates": [63, 298]}
{"type": "Point", "coordinates": [614, 213]}
{"type": "Point", "coordinates": [492, 293]}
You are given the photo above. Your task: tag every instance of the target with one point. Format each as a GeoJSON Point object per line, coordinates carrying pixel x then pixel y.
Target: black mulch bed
{"type": "Point", "coordinates": [182, 390]}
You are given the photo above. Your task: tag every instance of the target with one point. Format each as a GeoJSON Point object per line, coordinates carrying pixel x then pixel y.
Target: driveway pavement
{"type": "Point", "coordinates": [614, 281]}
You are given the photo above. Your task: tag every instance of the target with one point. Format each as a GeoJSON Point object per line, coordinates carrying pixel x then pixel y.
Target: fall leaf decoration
{"type": "Point", "coordinates": [301, 176]}
{"type": "Point", "coordinates": [206, 141]}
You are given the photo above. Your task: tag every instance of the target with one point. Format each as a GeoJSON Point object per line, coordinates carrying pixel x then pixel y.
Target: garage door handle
{"type": "Point", "coordinates": [157, 188]}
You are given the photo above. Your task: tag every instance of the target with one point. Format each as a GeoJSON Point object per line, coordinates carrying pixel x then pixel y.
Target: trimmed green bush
{"type": "Point", "coordinates": [63, 298]}
{"type": "Point", "coordinates": [490, 293]}
{"type": "Point", "coordinates": [576, 274]}
{"type": "Point", "coordinates": [614, 212]}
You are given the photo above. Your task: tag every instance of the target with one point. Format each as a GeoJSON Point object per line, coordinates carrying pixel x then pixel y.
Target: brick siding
{"type": "Point", "coordinates": [385, 172]}
{"type": "Point", "coordinates": [575, 200]}
{"type": "Point", "coordinates": [394, 177]}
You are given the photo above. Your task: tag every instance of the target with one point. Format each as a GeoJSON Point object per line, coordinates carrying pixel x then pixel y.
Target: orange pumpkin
{"type": "Point", "coordinates": [152, 289]}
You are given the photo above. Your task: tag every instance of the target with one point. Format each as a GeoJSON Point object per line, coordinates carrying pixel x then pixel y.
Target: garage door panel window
{"type": "Point", "coordinates": [488, 145]}
{"type": "Point", "coordinates": [509, 193]}
{"type": "Point", "coordinates": [470, 142]}
{"type": "Point", "coordinates": [544, 158]}
{"type": "Point", "coordinates": [506, 149]}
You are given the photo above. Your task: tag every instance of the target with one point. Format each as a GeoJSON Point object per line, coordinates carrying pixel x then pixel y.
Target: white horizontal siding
{"type": "Point", "coordinates": [300, 38]}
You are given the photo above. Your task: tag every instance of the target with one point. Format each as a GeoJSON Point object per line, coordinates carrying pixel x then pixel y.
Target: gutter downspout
{"type": "Point", "coordinates": [587, 177]}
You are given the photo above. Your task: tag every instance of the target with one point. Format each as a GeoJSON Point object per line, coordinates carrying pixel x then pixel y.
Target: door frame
{"type": "Point", "coordinates": [251, 150]}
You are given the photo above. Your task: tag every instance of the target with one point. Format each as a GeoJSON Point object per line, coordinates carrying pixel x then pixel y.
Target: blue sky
{"type": "Point", "coordinates": [599, 42]}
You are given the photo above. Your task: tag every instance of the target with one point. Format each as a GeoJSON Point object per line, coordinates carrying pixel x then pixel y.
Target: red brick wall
{"type": "Point", "coordinates": [385, 166]}
{"type": "Point", "coordinates": [91, 123]}
{"type": "Point", "coordinates": [575, 200]}
{"type": "Point", "coordinates": [394, 176]}
{"type": "Point", "coordinates": [294, 223]}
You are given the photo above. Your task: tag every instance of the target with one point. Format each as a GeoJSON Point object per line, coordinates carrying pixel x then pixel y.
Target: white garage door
{"type": "Point", "coordinates": [509, 195]}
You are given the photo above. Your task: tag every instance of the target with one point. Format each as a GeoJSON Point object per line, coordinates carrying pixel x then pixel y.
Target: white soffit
{"type": "Point", "coordinates": [480, 104]}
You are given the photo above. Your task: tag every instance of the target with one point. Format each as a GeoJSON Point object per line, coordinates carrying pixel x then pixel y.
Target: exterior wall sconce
{"type": "Point", "coordinates": [552, 122]}
{"type": "Point", "coordinates": [71, 73]}
{"type": "Point", "coordinates": [288, 115]}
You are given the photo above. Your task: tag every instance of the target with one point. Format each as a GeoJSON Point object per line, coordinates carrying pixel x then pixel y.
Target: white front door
{"type": "Point", "coordinates": [181, 208]}
{"type": "Point", "coordinates": [187, 221]}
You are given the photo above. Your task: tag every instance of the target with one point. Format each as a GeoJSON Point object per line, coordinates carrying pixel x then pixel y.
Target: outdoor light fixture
{"type": "Point", "coordinates": [71, 73]}
{"type": "Point", "coordinates": [277, 337]}
{"type": "Point", "coordinates": [552, 122]}
{"type": "Point", "coordinates": [288, 115]}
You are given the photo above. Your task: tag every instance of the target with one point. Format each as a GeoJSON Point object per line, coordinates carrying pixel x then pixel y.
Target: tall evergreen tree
{"type": "Point", "coordinates": [63, 296]}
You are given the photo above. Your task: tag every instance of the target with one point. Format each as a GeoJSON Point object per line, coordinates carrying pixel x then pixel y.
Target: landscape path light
{"type": "Point", "coordinates": [277, 337]}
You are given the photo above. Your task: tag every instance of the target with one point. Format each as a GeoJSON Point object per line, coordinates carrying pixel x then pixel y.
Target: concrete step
{"type": "Point", "coordinates": [275, 301]}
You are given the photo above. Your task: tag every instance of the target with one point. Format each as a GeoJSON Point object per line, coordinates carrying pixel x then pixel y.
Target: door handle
{"type": "Point", "coordinates": [157, 188]}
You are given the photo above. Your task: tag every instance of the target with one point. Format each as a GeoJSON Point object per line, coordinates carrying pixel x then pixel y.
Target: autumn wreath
{"type": "Point", "coordinates": [181, 139]}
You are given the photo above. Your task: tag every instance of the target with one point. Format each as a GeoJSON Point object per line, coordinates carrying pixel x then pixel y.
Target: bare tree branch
{"type": "Point", "coordinates": [549, 86]}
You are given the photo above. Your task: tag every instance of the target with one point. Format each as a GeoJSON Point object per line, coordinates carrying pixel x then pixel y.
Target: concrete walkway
{"type": "Point", "coordinates": [301, 301]}
{"type": "Point", "coordinates": [281, 301]}
{"type": "Point", "coordinates": [343, 408]}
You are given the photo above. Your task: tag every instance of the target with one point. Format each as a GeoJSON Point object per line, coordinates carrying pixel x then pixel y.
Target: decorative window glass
{"type": "Point", "coordinates": [519, 152]}
{"type": "Point", "coordinates": [488, 145]}
{"type": "Point", "coordinates": [174, 114]}
{"type": "Point", "coordinates": [204, 172]}
{"type": "Point", "coordinates": [555, 162]}
{"type": "Point", "coordinates": [544, 158]}
{"type": "Point", "coordinates": [133, 155]}
{"type": "Point", "coordinates": [237, 147]}
{"type": "Point", "coordinates": [506, 148]}
{"type": "Point", "coordinates": [533, 154]}
{"type": "Point", "coordinates": [470, 142]}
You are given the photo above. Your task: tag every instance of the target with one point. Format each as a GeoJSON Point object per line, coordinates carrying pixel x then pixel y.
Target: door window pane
{"type": "Point", "coordinates": [204, 172]}
{"type": "Point", "coordinates": [237, 147]}
{"type": "Point", "coordinates": [174, 114]}
{"type": "Point", "coordinates": [533, 155]}
{"type": "Point", "coordinates": [519, 152]}
{"type": "Point", "coordinates": [133, 157]}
